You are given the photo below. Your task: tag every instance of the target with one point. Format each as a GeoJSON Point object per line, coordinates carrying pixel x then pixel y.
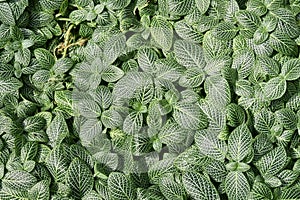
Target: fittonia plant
{"type": "Point", "coordinates": [149, 99]}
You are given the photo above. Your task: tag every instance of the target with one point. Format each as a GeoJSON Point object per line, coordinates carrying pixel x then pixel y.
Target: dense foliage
{"type": "Point", "coordinates": [149, 99]}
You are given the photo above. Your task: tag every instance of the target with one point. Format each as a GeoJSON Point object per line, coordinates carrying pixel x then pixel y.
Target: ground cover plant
{"type": "Point", "coordinates": [149, 99]}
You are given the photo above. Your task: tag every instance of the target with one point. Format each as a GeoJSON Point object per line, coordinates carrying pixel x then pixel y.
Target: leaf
{"type": "Point", "coordinates": [57, 164]}
{"type": "Point", "coordinates": [89, 109]}
{"type": "Point", "coordinates": [146, 58]}
{"type": "Point", "coordinates": [199, 187]}
{"type": "Point", "coordinates": [162, 32]}
{"type": "Point", "coordinates": [264, 121]}
{"type": "Point", "coordinates": [44, 57]}
{"type": "Point", "coordinates": [120, 187]}
{"type": "Point", "coordinates": [39, 191]}
{"type": "Point", "coordinates": [216, 116]}
{"type": "Point", "coordinates": [272, 162]}
{"type": "Point", "coordinates": [287, 118]}
{"type": "Point", "coordinates": [79, 178]}
{"type": "Point", "coordinates": [290, 69]}
{"type": "Point", "coordinates": [243, 61]}
{"type": "Point", "coordinates": [188, 54]}
{"type": "Point", "coordinates": [180, 7]}
{"type": "Point", "coordinates": [171, 133]}
{"type": "Point", "coordinates": [209, 144]}
{"type": "Point", "coordinates": [249, 22]}
{"type": "Point", "coordinates": [62, 65]}
{"type": "Point", "coordinates": [34, 123]}
{"type": "Point", "coordinates": [51, 5]}
{"type": "Point", "coordinates": [6, 14]}
{"type": "Point", "coordinates": [283, 44]}
{"type": "Point", "coordinates": [57, 130]}
{"type": "Point", "coordinates": [225, 31]}
{"type": "Point", "coordinates": [10, 194]}
{"type": "Point", "coordinates": [170, 188]}
{"type": "Point", "coordinates": [111, 74]}
{"type": "Point", "coordinates": [29, 151]}
{"type": "Point", "coordinates": [113, 48]}
{"type": "Point", "coordinates": [18, 180]}
{"type": "Point", "coordinates": [275, 88]}
{"type": "Point", "coordinates": [193, 77]}
{"type": "Point", "coordinates": [286, 22]}
{"type": "Point", "coordinates": [187, 32]}
{"type": "Point", "coordinates": [90, 132]}
{"type": "Point", "coordinates": [111, 119]}
{"type": "Point", "coordinates": [237, 186]}
{"type": "Point", "coordinates": [202, 5]}
{"type": "Point", "coordinates": [269, 65]}
{"type": "Point", "coordinates": [218, 91]}
{"type": "Point", "coordinates": [239, 143]}
{"type": "Point", "coordinates": [133, 123]}
{"type": "Point", "coordinates": [261, 191]}
{"type": "Point", "coordinates": [189, 116]}
{"type": "Point", "coordinates": [9, 85]}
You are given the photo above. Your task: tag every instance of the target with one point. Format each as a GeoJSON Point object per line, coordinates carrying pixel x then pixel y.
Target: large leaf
{"type": "Point", "coordinates": [18, 180]}
{"type": "Point", "coordinates": [189, 116]}
{"type": "Point", "coordinates": [79, 178]}
{"type": "Point", "coordinates": [210, 145]}
{"type": "Point", "coordinates": [283, 43]}
{"type": "Point", "coordinates": [120, 187]}
{"type": "Point", "coordinates": [199, 187]}
{"type": "Point", "coordinates": [272, 162]}
{"type": "Point", "coordinates": [237, 186]}
{"type": "Point", "coordinates": [239, 143]}
{"type": "Point", "coordinates": [290, 69]}
{"type": "Point", "coordinates": [162, 32]}
{"type": "Point", "coordinates": [189, 54]}
{"type": "Point", "coordinates": [275, 88]}
{"type": "Point", "coordinates": [6, 14]}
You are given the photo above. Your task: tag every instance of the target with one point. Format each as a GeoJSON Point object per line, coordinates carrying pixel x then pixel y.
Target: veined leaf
{"type": "Point", "coordinates": [162, 32]}
{"type": "Point", "coordinates": [237, 186]}
{"type": "Point", "coordinates": [283, 44]}
{"type": "Point", "coordinates": [275, 88]}
{"type": "Point", "coordinates": [199, 187]}
{"type": "Point", "coordinates": [79, 177]}
{"type": "Point", "coordinates": [239, 143]}
{"type": "Point", "coordinates": [210, 145]}
{"type": "Point", "coordinates": [18, 180]}
{"type": "Point", "coordinates": [120, 187]}
{"type": "Point", "coordinates": [189, 54]}
{"type": "Point", "coordinates": [189, 116]}
{"type": "Point", "coordinates": [290, 70]}
{"type": "Point", "coordinates": [272, 162]}
{"type": "Point", "coordinates": [57, 130]}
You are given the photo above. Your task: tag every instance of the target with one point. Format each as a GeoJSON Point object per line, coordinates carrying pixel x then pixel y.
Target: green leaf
{"type": "Point", "coordinates": [29, 151]}
{"type": "Point", "coordinates": [202, 5]}
{"type": "Point", "coordinates": [12, 194]}
{"type": "Point", "coordinates": [44, 57]}
{"type": "Point", "coordinates": [286, 22]}
{"type": "Point", "coordinates": [111, 74]}
{"type": "Point", "coordinates": [237, 186]}
{"type": "Point", "coordinates": [218, 91]}
{"type": "Point", "coordinates": [283, 44]}
{"type": "Point", "coordinates": [171, 133]}
{"type": "Point", "coordinates": [79, 178]}
{"type": "Point", "coordinates": [146, 58]}
{"type": "Point", "coordinates": [180, 7]}
{"type": "Point", "coordinates": [9, 85]}
{"type": "Point", "coordinates": [243, 61]}
{"type": "Point", "coordinates": [261, 191]}
{"type": "Point", "coordinates": [51, 5]}
{"type": "Point", "coordinates": [171, 189]}
{"type": "Point", "coordinates": [189, 116]}
{"type": "Point", "coordinates": [225, 31]}
{"type": "Point", "coordinates": [57, 130]}
{"type": "Point", "coordinates": [209, 144]}
{"type": "Point", "coordinates": [290, 69]}
{"type": "Point", "coordinates": [264, 121]}
{"type": "Point", "coordinates": [57, 164]}
{"type": "Point", "coordinates": [287, 118]}
{"type": "Point", "coordinates": [162, 32]}
{"type": "Point", "coordinates": [188, 54]}
{"type": "Point", "coordinates": [199, 187]}
{"type": "Point", "coordinates": [275, 88]}
{"type": "Point", "coordinates": [113, 48]}
{"type": "Point", "coordinates": [133, 123]}
{"type": "Point", "coordinates": [18, 180]}
{"type": "Point", "coordinates": [216, 116]}
{"type": "Point", "coordinates": [6, 14]}
{"type": "Point", "coordinates": [34, 123]}
{"type": "Point", "coordinates": [111, 119]}
{"type": "Point", "coordinates": [120, 187]}
{"type": "Point", "coordinates": [62, 65]}
{"type": "Point", "coordinates": [89, 109]}
{"type": "Point", "coordinates": [272, 162]}
{"type": "Point", "coordinates": [39, 191]}
{"type": "Point", "coordinates": [239, 143]}
{"type": "Point", "coordinates": [90, 132]}
{"type": "Point", "coordinates": [248, 21]}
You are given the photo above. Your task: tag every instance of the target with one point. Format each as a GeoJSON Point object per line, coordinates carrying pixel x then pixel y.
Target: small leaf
{"type": "Point", "coordinates": [290, 69]}
{"type": "Point", "coordinates": [44, 57]}
{"type": "Point", "coordinates": [120, 187]}
{"type": "Point", "coordinates": [275, 88]}
{"type": "Point", "coordinates": [237, 186]}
